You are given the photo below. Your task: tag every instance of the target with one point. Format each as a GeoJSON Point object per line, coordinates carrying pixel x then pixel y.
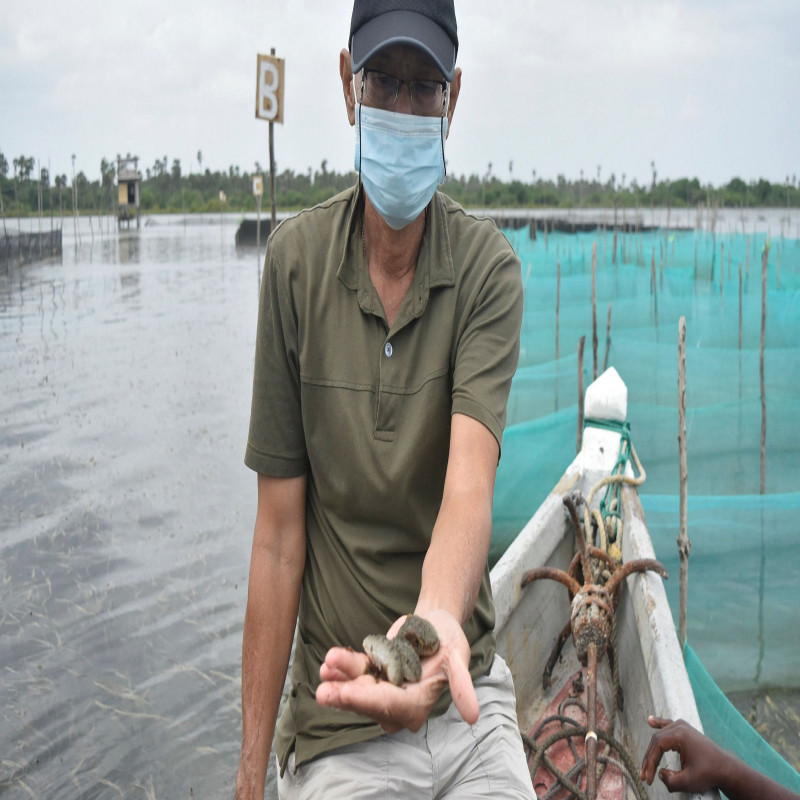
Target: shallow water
{"type": "Point", "coordinates": [775, 714]}
{"type": "Point", "coordinates": [125, 513]}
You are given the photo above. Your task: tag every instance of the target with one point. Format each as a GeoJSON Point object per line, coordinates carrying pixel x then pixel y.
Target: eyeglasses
{"type": "Point", "coordinates": [382, 90]}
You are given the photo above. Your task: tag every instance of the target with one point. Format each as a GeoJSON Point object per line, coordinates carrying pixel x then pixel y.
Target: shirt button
{"type": "Point", "coordinates": [388, 349]}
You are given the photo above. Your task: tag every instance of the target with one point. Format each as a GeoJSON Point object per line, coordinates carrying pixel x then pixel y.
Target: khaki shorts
{"type": "Point", "coordinates": [445, 758]}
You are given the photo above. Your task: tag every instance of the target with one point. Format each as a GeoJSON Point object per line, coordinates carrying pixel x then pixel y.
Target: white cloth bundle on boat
{"type": "Point", "coordinates": [607, 398]}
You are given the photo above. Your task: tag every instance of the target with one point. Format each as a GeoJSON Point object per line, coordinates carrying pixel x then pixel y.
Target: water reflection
{"type": "Point", "coordinates": [125, 514]}
{"type": "Point", "coordinates": [129, 247]}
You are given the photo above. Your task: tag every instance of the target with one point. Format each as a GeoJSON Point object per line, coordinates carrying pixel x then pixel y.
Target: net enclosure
{"type": "Point", "coordinates": [744, 568]}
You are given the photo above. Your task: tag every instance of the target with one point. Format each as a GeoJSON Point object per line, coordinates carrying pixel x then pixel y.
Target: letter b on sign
{"type": "Point", "coordinates": [269, 89]}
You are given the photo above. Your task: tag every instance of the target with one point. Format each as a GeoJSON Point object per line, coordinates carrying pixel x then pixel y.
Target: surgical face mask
{"type": "Point", "coordinates": [400, 159]}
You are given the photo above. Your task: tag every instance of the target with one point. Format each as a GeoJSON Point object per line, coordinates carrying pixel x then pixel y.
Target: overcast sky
{"type": "Point", "coordinates": [704, 88]}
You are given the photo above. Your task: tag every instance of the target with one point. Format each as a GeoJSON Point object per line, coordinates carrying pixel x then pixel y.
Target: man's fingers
{"type": "Point", "coordinates": [327, 673]}
{"type": "Point", "coordinates": [674, 781]}
{"type": "Point", "coordinates": [350, 695]}
{"type": "Point", "coordinates": [392, 707]}
{"type": "Point", "coordinates": [396, 625]}
{"type": "Point", "coordinates": [342, 664]}
{"type": "Point", "coordinates": [656, 748]}
{"type": "Point", "coordinates": [462, 691]}
{"type": "Point", "coordinates": [652, 756]}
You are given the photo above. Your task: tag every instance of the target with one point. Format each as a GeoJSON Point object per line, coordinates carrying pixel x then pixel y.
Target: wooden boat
{"type": "Point", "coordinates": [652, 677]}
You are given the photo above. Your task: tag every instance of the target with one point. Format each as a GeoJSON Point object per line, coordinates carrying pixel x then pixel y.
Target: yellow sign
{"type": "Point", "coordinates": [269, 89]}
{"type": "Point", "coordinates": [258, 185]}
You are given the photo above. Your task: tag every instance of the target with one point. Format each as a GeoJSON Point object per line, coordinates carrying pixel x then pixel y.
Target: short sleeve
{"type": "Point", "coordinates": [488, 345]}
{"type": "Point", "coordinates": [276, 443]}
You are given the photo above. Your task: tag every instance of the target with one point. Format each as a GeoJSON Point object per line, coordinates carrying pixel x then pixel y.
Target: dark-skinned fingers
{"type": "Point", "coordinates": [674, 781]}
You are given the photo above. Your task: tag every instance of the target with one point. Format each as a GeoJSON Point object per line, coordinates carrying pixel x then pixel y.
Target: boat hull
{"type": "Point", "coordinates": [652, 676]}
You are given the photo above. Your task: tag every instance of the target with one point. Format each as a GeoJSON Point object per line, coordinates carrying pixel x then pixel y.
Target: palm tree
{"type": "Point", "coordinates": [61, 182]}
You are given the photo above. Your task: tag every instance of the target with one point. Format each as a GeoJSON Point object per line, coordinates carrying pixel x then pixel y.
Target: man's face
{"type": "Point", "coordinates": [413, 68]}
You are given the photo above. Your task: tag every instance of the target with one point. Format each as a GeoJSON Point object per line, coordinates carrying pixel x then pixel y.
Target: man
{"type": "Point", "coordinates": [704, 765]}
{"type": "Point", "coordinates": [388, 336]}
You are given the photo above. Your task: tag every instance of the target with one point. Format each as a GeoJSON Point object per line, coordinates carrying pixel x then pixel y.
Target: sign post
{"type": "Point", "coordinates": [258, 190]}
{"type": "Point", "coordinates": [269, 106]}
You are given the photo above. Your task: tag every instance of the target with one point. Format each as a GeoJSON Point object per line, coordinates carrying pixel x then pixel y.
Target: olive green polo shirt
{"type": "Point", "coordinates": [363, 410]}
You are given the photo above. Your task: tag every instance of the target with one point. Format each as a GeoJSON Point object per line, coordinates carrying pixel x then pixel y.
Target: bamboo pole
{"type": "Point", "coordinates": [740, 305]}
{"type": "Point", "coordinates": [747, 267]}
{"type": "Point", "coordinates": [558, 303]}
{"type": "Point", "coordinates": [272, 168]}
{"type": "Point", "coordinates": [722, 273]}
{"type": "Point", "coordinates": [608, 337]}
{"type": "Point", "coordinates": [654, 284]}
{"type": "Point", "coordinates": [653, 270]}
{"type": "Point", "coordinates": [594, 311]}
{"type": "Point", "coordinates": [614, 246]}
{"type": "Point", "coordinates": [684, 545]}
{"type": "Point", "coordinates": [591, 722]}
{"type": "Point", "coordinates": [581, 343]}
{"type": "Point", "coordinates": [764, 258]}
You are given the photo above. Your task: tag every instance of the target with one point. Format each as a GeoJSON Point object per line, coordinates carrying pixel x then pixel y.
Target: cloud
{"type": "Point", "coordinates": [557, 87]}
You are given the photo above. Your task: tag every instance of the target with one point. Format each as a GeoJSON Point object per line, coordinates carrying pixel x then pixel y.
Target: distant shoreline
{"type": "Point", "coordinates": [776, 221]}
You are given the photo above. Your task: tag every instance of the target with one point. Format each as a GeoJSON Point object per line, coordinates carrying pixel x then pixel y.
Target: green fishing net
{"type": "Point", "coordinates": [744, 569]}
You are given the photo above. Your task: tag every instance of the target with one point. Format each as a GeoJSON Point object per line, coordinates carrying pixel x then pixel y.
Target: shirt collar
{"type": "Point", "coordinates": [434, 266]}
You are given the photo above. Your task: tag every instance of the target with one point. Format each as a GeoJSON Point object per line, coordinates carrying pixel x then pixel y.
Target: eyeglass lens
{"type": "Point", "coordinates": [382, 90]}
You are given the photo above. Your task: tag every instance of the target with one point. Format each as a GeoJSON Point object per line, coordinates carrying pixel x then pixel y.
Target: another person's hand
{"type": "Point", "coordinates": [702, 761]}
{"type": "Point", "coordinates": [346, 685]}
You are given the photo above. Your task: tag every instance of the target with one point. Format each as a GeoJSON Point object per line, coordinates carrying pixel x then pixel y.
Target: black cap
{"type": "Point", "coordinates": [427, 24]}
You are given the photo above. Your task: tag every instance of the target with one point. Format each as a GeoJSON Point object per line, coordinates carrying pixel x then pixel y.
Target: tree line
{"type": "Point", "coordinates": [166, 187]}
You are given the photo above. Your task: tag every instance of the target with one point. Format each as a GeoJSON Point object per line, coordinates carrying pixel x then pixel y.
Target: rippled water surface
{"type": "Point", "coordinates": [125, 512]}
{"type": "Point", "coordinates": [126, 515]}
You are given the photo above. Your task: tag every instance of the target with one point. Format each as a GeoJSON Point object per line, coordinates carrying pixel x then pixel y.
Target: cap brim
{"type": "Point", "coordinates": [403, 27]}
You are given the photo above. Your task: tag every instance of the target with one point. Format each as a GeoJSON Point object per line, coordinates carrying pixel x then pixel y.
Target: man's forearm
{"type": "Point", "coordinates": [742, 782]}
{"type": "Point", "coordinates": [267, 640]}
{"type": "Point", "coordinates": [456, 558]}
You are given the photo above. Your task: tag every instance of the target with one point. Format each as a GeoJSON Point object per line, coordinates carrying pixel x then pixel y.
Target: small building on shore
{"type": "Point", "coordinates": [128, 181]}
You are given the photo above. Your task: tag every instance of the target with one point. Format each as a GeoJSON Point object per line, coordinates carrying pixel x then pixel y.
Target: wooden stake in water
{"type": "Point", "coordinates": [614, 246]}
{"type": "Point", "coordinates": [764, 257]}
{"type": "Point", "coordinates": [581, 343]}
{"type": "Point", "coordinates": [684, 545]}
{"type": "Point", "coordinates": [740, 305]}
{"type": "Point", "coordinates": [608, 338]}
{"type": "Point", "coordinates": [722, 273]}
{"type": "Point", "coordinates": [653, 270]}
{"type": "Point", "coordinates": [558, 302]}
{"type": "Point", "coordinates": [747, 263]}
{"type": "Point", "coordinates": [594, 311]}
{"type": "Point", "coordinates": [654, 285]}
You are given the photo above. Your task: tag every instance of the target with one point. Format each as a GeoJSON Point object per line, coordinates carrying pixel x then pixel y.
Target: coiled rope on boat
{"type": "Point", "coordinates": [608, 518]}
{"type": "Point", "coordinates": [609, 527]}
